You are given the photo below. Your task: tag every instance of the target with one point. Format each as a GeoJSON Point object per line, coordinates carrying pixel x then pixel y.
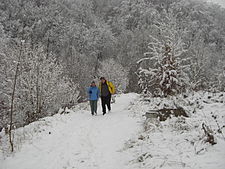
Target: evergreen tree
{"type": "Point", "coordinates": [163, 69]}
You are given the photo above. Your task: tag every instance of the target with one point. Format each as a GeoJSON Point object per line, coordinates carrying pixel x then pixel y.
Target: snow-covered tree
{"type": "Point", "coordinates": [163, 71]}
{"type": "Point", "coordinates": [4, 100]}
{"type": "Point", "coordinates": [44, 86]}
{"type": "Point", "coordinates": [41, 87]}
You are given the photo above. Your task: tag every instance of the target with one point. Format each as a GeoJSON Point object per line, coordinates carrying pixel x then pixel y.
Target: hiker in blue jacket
{"type": "Point", "coordinates": [93, 93]}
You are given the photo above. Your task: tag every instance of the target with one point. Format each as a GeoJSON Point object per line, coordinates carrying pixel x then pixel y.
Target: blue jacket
{"type": "Point", "coordinates": [93, 93]}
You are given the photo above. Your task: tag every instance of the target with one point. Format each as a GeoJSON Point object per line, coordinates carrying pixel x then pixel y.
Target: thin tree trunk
{"type": "Point", "coordinates": [11, 112]}
{"type": "Point", "coordinates": [37, 88]}
{"type": "Point", "coordinates": [12, 102]}
{"type": "Point", "coordinates": [48, 45]}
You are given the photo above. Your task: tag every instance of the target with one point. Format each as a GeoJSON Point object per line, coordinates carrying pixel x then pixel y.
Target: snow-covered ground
{"type": "Point", "coordinates": [180, 142]}
{"type": "Point", "coordinates": [123, 139]}
{"type": "Point", "coordinates": [77, 140]}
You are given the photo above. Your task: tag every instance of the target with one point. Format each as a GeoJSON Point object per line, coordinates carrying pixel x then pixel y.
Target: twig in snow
{"type": "Point", "coordinates": [210, 138]}
{"type": "Point", "coordinates": [219, 128]}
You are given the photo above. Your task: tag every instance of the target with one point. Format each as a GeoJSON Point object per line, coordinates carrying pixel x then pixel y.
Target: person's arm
{"type": "Point", "coordinates": [89, 91]}
{"type": "Point", "coordinates": [98, 93]}
{"type": "Point", "coordinates": [112, 87]}
{"type": "Point", "coordinates": [99, 87]}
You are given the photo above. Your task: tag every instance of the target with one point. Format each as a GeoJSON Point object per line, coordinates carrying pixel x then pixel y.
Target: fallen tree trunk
{"type": "Point", "coordinates": [164, 113]}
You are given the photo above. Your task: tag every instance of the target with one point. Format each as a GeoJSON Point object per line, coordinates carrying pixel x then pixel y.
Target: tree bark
{"type": "Point", "coordinates": [12, 101]}
{"type": "Point", "coordinates": [11, 111]}
{"type": "Point", "coordinates": [37, 89]}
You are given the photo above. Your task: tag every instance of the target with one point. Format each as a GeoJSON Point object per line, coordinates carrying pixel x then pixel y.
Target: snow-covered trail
{"type": "Point", "coordinates": [80, 141]}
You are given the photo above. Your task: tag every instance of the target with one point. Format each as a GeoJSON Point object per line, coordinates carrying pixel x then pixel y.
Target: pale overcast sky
{"type": "Point", "coordinates": [221, 2]}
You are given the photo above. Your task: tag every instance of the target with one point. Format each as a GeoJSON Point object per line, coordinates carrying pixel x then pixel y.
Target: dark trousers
{"type": "Point", "coordinates": [106, 101]}
{"type": "Point", "coordinates": [93, 104]}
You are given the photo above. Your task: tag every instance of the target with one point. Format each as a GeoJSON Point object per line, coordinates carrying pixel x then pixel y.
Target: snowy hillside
{"type": "Point", "coordinates": [123, 139]}
{"type": "Point", "coordinates": [181, 142]}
